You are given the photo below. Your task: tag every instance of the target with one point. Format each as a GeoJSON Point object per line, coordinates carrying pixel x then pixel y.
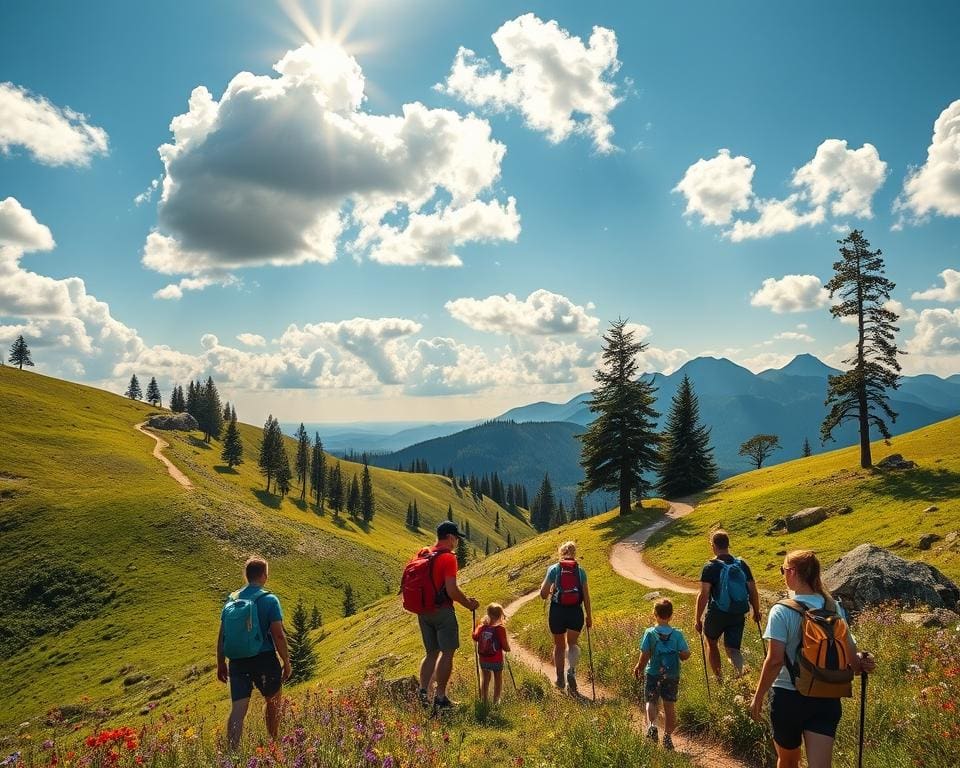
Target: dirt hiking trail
{"type": "Point", "coordinates": [175, 473]}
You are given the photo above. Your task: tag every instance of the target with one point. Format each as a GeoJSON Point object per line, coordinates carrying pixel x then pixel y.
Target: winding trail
{"type": "Point", "coordinates": [175, 473]}
{"type": "Point", "coordinates": [626, 558]}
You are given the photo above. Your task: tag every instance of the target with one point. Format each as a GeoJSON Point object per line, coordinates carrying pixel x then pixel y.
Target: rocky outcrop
{"type": "Point", "coordinates": [805, 518]}
{"type": "Point", "coordinates": [935, 619]}
{"type": "Point", "coordinates": [868, 575]}
{"type": "Point", "coordinates": [927, 540]}
{"type": "Point", "coordinates": [895, 461]}
{"type": "Point", "coordinates": [183, 422]}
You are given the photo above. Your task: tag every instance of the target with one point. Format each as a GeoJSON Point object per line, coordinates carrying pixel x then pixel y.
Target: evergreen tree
{"type": "Point", "coordinates": [133, 389]}
{"type": "Point", "coordinates": [316, 620]}
{"type": "Point", "coordinates": [303, 460]}
{"type": "Point", "coordinates": [353, 498]}
{"type": "Point", "coordinates": [416, 516]}
{"type": "Point", "coordinates": [544, 506]}
{"type": "Point", "coordinates": [450, 513]}
{"type": "Point", "coordinates": [270, 446]}
{"type": "Point", "coordinates": [621, 443]}
{"type": "Point", "coordinates": [318, 471]}
{"type": "Point", "coordinates": [335, 494]}
{"type": "Point", "coordinates": [486, 547]}
{"type": "Point", "coordinates": [284, 475]}
{"type": "Point", "coordinates": [509, 540]}
{"type": "Point", "coordinates": [496, 522]}
{"type": "Point", "coordinates": [232, 452]}
{"type": "Point", "coordinates": [177, 404]}
{"type": "Point", "coordinates": [368, 504]}
{"type": "Point", "coordinates": [153, 393]}
{"type": "Point", "coordinates": [20, 353]}
{"type": "Point", "coordinates": [759, 448]}
{"type": "Point", "coordinates": [579, 509]}
{"type": "Point", "coordinates": [191, 404]}
{"type": "Point", "coordinates": [233, 412]}
{"type": "Point", "coordinates": [860, 393]}
{"type": "Point", "coordinates": [462, 558]}
{"type": "Point", "coordinates": [210, 411]}
{"type": "Point", "coordinates": [302, 658]}
{"type": "Point", "coordinates": [807, 450]}
{"type": "Point", "coordinates": [349, 604]}
{"type": "Point", "coordinates": [467, 531]}
{"type": "Point", "coordinates": [409, 520]}
{"type": "Point", "coordinates": [686, 459]}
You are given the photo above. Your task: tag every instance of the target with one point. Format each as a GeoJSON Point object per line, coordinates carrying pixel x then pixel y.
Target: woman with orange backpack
{"type": "Point", "coordinates": [566, 587]}
{"type": "Point", "coordinates": [810, 665]}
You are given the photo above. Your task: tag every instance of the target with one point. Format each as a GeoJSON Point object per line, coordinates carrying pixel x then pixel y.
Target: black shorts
{"type": "Point", "coordinates": [564, 617]}
{"type": "Point", "coordinates": [792, 713]}
{"type": "Point", "coordinates": [730, 625]}
{"type": "Point", "coordinates": [262, 671]}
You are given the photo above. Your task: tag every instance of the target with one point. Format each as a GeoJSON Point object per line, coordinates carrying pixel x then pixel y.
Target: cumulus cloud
{"type": "Point", "coordinates": [541, 313]}
{"type": "Point", "coordinates": [765, 361]}
{"type": "Point", "coordinates": [950, 290]}
{"type": "Point", "coordinates": [934, 187]}
{"type": "Point", "coordinates": [838, 181]}
{"type": "Point", "coordinates": [906, 314]}
{"type": "Point", "coordinates": [937, 332]}
{"type": "Point", "coordinates": [52, 135]}
{"type": "Point", "coordinates": [251, 339]}
{"type": "Point", "coordinates": [20, 232]}
{"type": "Point", "coordinates": [657, 360]}
{"type": "Point", "coordinates": [559, 84]}
{"type": "Point", "coordinates": [791, 293]}
{"type": "Point", "coordinates": [291, 169]}
{"type": "Point", "coordinates": [794, 336]}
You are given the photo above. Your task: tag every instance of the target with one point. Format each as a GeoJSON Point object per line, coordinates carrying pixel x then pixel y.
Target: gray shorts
{"type": "Point", "coordinates": [439, 630]}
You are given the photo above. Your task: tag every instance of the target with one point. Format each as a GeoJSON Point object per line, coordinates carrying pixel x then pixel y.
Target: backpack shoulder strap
{"type": "Point", "coordinates": [794, 605]}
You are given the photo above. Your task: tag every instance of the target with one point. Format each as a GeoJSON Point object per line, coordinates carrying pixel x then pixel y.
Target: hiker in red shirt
{"type": "Point", "coordinates": [490, 635]}
{"type": "Point", "coordinates": [429, 588]}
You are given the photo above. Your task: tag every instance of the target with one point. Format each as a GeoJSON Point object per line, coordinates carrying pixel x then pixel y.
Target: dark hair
{"type": "Point", "coordinates": [255, 568]}
{"type": "Point", "coordinates": [720, 539]}
{"type": "Point", "coordinates": [663, 608]}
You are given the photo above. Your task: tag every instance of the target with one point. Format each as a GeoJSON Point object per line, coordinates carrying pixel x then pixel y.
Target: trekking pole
{"type": "Point", "coordinates": [762, 640]}
{"type": "Point", "coordinates": [593, 677]}
{"type": "Point", "coordinates": [510, 670]}
{"type": "Point", "coordinates": [706, 677]}
{"type": "Point", "coordinates": [863, 713]}
{"type": "Point", "coordinates": [476, 652]}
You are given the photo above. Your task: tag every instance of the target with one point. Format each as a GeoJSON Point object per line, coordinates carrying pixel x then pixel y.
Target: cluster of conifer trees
{"type": "Point", "coordinates": [202, 401]}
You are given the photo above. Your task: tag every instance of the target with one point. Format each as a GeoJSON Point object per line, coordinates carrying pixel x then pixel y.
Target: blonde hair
{"type": "Point", "coordinates": [807, 567]}
{"type": "Point", "coordinates": [494, 613]}
{"type": "Point", "coordinates": [568, 550]}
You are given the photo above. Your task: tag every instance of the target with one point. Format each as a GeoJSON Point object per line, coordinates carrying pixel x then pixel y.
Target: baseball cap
{"type": "Point", "coordinates": [448, 528]}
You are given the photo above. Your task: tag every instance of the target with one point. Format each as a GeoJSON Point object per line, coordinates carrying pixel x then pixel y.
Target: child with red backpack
{"type": "Point", "coordinates": [490, 635]}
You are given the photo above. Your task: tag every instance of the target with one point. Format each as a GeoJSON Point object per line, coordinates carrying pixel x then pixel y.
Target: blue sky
{"type": "Point", "coordinates": [348, 334]}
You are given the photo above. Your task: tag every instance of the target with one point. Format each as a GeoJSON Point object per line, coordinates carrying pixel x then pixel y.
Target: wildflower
{"type": "Point", "coordinates": [48, 744]}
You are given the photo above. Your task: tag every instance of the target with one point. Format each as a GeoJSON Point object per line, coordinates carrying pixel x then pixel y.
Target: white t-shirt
{"type": "Point", "coordinates": [783, 624]}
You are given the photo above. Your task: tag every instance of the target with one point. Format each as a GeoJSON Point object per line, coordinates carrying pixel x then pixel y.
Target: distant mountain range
{"type": "Point", "coordinates": [734, 402]}
{"type": "Point", "coordinates": [376, 437]}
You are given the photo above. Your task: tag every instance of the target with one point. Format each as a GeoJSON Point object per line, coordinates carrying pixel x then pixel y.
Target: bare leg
{"type": "Point", "coordinates": [819, 749]}
{"type": "Point", "coordinates": [559, 651]}
{"type": "Point", "coordinates": [272, 715]}
{"type": "Point", "coordinates": [787, 758]}
{"type": "Point", "coordinates": [444, 670]}
{"type": "Point", "coordinates": [713, 656]}
{"type": "Point", "coordinates": [669, 717]}
{"type": "Point", "coordinates": [652, 708]}
{"type": "Point", "coordinates": [427, 667]}
{"type": "Point", "coordinates": [497, 686]}
{"type": "Point", "coordinates": [485, 685]}
{"type": "Point", "coordinates": [235, 722]}
{"type": "Point", "coordinates": [573, 649]}
{"type": "Point", "coordinates": [736, 658]}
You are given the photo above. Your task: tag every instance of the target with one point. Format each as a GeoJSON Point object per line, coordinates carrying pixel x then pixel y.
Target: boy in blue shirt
{"type": "Point", "coordinates": [661, 651]}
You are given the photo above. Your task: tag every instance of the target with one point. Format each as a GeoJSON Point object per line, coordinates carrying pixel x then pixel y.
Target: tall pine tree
{"type": "Point", "coordinates": [133, 389]}
{"type": "Point", "coordinates": [353, 498]}
{"type": "Point", "coordinates": [544, 506]}
{"type": "Point", "coordinates": [302, 659]}
{"type": "Point", "coordinates": [621, 444]}
{"type": "Point", "coordinates": [284, 475]}
{"type": "Point", "coordinates": [177, 404]}
{"type": "Point", "coordinates": [318, 471]}
{"type": "Point", "coordinates": [807, 450]}
{"type": "Point", "coordinates": [270, 447]}
{"type": "Point", "coordinates": [349, 602]}
{"type": "Point", "coordinates": [210, 411]}
{"type": "Point", "coordinates": [303, 460]}
{"type": "Point", "coordinates": [368, 504]}
{"type": "Point", "coordinates": [232, 452]}
{"type": "Point", "coordinates": [192, 403]}
{"type": "Point", "coordinates": [860, 393]}
{"type": "Point", "coordinates": [20, 353]}
{"type": "Point", "coordinates": [153, 393]}
{"type": "Point", "coordinates": [686, 463]}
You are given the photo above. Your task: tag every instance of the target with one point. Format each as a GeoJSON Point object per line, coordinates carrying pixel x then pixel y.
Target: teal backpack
{"type": "Point", "coordinates": [732, 594]}
{"type": "Point", "coordinates": [242, 634]}
{"type": "Point", "coordinates": [665, 659]}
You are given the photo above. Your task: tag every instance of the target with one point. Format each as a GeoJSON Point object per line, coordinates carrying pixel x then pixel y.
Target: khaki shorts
{"type": "Point", "coordinates": [439, 630]}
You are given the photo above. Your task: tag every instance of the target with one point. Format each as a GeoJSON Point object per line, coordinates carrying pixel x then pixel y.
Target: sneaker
{"type": "Point", "coordinates": [667, 742]}
{"type": "Point", "coordinates": [571, 681]}
{"type": "Point", "coordinates": [442, 705]}
{"type": "Point", "coordinates": [423, 698]}
{"type": "Point", "coordinates": [653, 734]}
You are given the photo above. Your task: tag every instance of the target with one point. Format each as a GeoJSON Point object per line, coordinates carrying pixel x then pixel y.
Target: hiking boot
{"type": "Point", "coordinates": [571, 681]}
{"type": "Point", "coordinates": [667, 742]}
{"type": "Point", "coordinates": [653, 734]}
{"type": "Point", "coordinates": [423, 698]}
{"type": "Point", "coordinates": [442, 705]}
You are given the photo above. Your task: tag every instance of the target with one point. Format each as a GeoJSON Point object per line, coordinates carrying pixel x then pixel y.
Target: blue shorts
{"type": "Point", "coordinates": [656, 687]}
{"type": "Point", "coordinates": [492, 666]}
{"type": "Point", "coordinates": [262, 672]}
{"type": "Point", "coordinates": [729, 625]}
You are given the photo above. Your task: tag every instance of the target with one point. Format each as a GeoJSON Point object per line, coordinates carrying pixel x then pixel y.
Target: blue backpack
{"type": "Point", "coordinates": [665, 659]}
{"type": "Point", "coordinates": [242, 634]}
{"type": "Point", "coordinates": [732, 595]}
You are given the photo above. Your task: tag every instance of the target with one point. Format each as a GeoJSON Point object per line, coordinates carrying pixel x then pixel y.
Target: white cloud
{"type": "Point", "coordinates": [560, 85]}
{"type": "Point", "coordinates": [20, 231]}
{"type": "Point", "coordinates": [717, 188]}
{"type": "Point", "coordinates": [289, 169]}
{"type": "Point", "coordinates": [52, 135]}
{"type": "Point", "coordinates": [838, 181]}
{"type": "Point", "coordinates": [765, 361]}
{"type": "Point", "coordinates": [252, 339]}
{"type": "Point", "coordinates": [147, 195]}
{"type": "Point", "coordinates": [657, 360]}
{"type": "Point", "coordinates": [937, 333]}
{"type": "Point", "coordinates": [541, 313]}
{"type": "Point", "coordinates": [794, 336]}
{"type": "Point", "coordinates": [934, 187]}
{"type": "Point", "coordinates": [791, 293]}
{"type": "Point", "coordinates": [174, 291]}
{"type": "Point", "coordinates": [949, 292]}
{"type": "Point", "coordinates": [906, 314]}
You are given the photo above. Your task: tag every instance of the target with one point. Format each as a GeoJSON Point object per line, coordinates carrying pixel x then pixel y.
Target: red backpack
{"type": "Point", "coordinates": [420, 594]}
{"type": "Point", "coordinates": [569, 590]}
{"type": "Point", "coordinates": [487, 642]}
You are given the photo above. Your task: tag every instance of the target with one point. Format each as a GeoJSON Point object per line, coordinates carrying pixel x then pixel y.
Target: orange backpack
{"type": "Point", "coordinates": [821, 667]}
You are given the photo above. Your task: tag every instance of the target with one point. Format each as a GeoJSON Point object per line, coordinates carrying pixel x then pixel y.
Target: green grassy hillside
{"type": "Point", "coordinates": [114, 573]}
{"type": "Point", "coordinates": [888, 507]}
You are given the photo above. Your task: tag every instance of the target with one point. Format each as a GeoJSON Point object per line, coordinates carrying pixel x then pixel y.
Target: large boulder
{"type": "Point", "coordinates": [869, 574]}
{"type": "Point", "coordinates": [895, 461]}
{"type": "Point", "coordinates": [805, 518]}
{"type": "Point", "coordinates": [183, 422]}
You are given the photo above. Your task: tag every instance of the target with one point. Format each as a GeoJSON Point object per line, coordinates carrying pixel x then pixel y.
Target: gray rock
{"type": "Point", "coordinates": [895, 461]}
{"type": "Point", "coordinates": [926, 541]}
{"type": "Point", "coordinates": [513, 575]}
{"type": "Point", "coordinates": [805, 518]}
{"type": "Point", "coordinates": [938, 618]}
{"type": "Point", "coordinates": [651, 596]}
{"type": "Point", "coordinates": [183, 422]}
{"type": "Point", "coordinates": [759, 518]}
{"type": "Point", "coordinates": [951, 537]}
{"type": "Point", "coordinates": [931, 509]}
{"type": "Point", "coordinates": [781, 552]}
{"type": "Point", "coordinates": [868, 575]}
{"type": "Point", "coordinates": [844, 510]}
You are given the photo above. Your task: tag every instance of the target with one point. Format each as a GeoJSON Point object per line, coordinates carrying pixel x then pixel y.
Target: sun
{"type": "Point", "coordinates": [312, 21]}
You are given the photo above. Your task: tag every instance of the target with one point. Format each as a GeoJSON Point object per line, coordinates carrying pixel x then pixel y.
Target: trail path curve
{"type": "Point", "coordinates": [626, 558]}
{"type": "Point", "coordinates": [175, 473]}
